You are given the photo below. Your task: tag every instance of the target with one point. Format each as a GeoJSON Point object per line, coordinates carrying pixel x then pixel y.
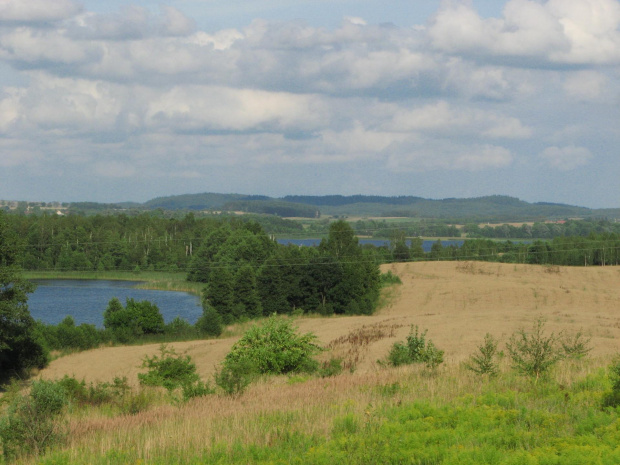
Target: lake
{"type": "Point", "coordinates": [86, 300]}
{"type": "Point", "coordinates": [426, 245]}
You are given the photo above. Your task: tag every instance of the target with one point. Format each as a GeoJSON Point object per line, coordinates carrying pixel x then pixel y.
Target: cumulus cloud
{"type": "Point", "coordinates": [566, 158]}
{"type": "Point", "coordinates": [145, 92]}
{"type": "Point", "coordinates": [37, 11]}
{"type": "Point", "coordinates": [554, 32]}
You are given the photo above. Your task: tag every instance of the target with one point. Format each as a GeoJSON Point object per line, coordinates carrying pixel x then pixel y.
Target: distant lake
{"type": "Point", "coordinates": [86, 300]}
{"type": "Point", "coordinates": [426, 245]}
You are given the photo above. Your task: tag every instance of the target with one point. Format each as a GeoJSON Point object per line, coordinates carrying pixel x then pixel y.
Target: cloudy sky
{"type": "Point", "coordinates": [130, 100]}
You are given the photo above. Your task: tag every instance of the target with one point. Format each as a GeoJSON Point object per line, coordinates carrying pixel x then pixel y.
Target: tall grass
{"type": "Point", "coordinates": [395, 415]}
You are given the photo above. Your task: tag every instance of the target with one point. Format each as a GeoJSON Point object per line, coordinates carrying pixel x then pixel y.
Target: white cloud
{"type": "Point", "coordinates": [557, 31]}
{"type": "Point", "coordinates": [444, 155]}
{"type": "Point", "coordinates": [566, 158]}
{"type": "Point", "coordinates": [441, 117]}
{"type": "Point", "coordinates": [586, 85]}
{"type": "Point", "coordinates": [36, 11]}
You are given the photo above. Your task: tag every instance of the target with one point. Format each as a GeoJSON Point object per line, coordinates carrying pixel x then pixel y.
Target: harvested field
{"type": "Point", "coordinates": [458, 302]}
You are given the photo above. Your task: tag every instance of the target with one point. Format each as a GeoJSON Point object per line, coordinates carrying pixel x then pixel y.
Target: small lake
{"type": "Point", "coordinates": [86, 300]}
{"type": "Point", "coordinates": [426, 245]}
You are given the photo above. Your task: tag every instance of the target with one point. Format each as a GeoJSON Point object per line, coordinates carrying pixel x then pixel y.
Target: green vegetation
{"type": "Point", "coordinates": [416, 350]}
{"type": "Point", "coordinates": [19, 349]}
{"type": "Point", "coordinates": [484, 362]}
{"type": "Point", "coordinates": [32, 423]}
{"type": "Point", "coordinates": [275, 348]}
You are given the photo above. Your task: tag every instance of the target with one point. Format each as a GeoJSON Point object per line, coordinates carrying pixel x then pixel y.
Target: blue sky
{"type": "Point", "coordinates": [120, 100]}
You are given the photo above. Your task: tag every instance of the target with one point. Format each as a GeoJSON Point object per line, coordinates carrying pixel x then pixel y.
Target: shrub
{"type": "Point", "coordinates": [612, 399]}
{"type": "Point", "coordinates": [534, 354]}
{"type": "Point", "coordinates": [168, 370]}
{"type": "Point", "coordinates": [389, 278]}
{"type": "Point", "coordinates": [32, 423]}
{"type": "Point", "coordinates": [198, 389]}
{"type": "Point", "coordinates": [576, 346]}
{"type": "Point", "coordinates": [179, 328]}
{"type": "Point", "coordinates": [275, 348]}
{"type": "Point", "coordinates": [331, 367]}
{"type": "Point", "coordinates": [210, 323]}
{"type": "Point", "coordinates": [135, 319]}
{"type": "Point", "coordinates": [416, 350]}
{"type": "Point", "coordinates": [95, 394]}
{"type": "Point", "coordinates": [484, 361]}
{"type": "Point", "coordinates": [235, 376]}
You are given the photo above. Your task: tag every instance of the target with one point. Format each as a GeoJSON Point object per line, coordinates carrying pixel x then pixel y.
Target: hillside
{"type": "Point", "coordinates": [496, 207]}
{"type": "Point", "coordinates": [458, 302]}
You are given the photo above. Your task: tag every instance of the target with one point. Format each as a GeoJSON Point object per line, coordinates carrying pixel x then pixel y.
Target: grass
{"type": "Point", "coordinates": [394, 416]}
{"type": "Point", "coordinates": [379, 414]}
{"type": "Point", "coordinates": [156, 280]}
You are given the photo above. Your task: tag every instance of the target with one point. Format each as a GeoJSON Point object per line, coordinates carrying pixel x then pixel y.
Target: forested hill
{"type": "Point", "coordinates": [496, 207]}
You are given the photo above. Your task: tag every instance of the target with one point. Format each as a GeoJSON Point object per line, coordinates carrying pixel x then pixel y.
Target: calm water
{"type": "Point", "coordinates": [426, 245]}
{"type": "Point", "coordinates": [86, 300]}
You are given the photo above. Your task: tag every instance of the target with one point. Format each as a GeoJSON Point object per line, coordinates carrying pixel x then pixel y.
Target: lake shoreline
{"type": "Point", "coordinates": [148, 280]}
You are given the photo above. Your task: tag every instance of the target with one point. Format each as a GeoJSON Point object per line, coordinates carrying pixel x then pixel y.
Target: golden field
{"type": "Point", "coordinates": [458, 302]}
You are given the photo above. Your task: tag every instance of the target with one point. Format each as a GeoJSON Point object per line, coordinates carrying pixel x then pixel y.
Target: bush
{"type": "Point", "coordinates": [94, 394]}
{"type": "Point", "coordinates": [235, 376]}
{"type": "Point", "coordinates": [32, 423]}
{"type": "Point", "coordinates": [416, 350]}
{"type": "Point", "coordinates": [331, 367]}
{"type": "Point", "coordinates": [180, 328]}
{"type": "Point", "coordinates": [612, 399]}
{"type": "Point", "coordinates": [484, 361]}
{"type": "Point", "coordinates": [210, 322]}
{"type": "Point", "coordinates": [275, 348]}
{"type": "Point", "coordinates": [168, 370]}
{"type": "Point", "coordinates": [134, 320]}
{"type": "Point", "coordinates": [534, 354]}
{"type": "Point", "coordinates": [576, 346]}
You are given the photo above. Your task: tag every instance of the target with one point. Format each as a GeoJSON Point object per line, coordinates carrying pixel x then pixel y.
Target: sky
{"type": "Point", "coordinates": [131, 100]}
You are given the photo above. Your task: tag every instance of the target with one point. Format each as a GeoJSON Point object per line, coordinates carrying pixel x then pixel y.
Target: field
{"type": "Point", "coordinates": [354, 417]}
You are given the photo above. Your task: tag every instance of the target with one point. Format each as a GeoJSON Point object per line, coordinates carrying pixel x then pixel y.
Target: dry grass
{"type": "Point", "coordinates": [458, 303]}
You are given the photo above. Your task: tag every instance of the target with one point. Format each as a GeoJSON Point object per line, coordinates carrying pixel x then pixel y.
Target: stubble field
{"type": "Point", "coordinates": [378, 414]}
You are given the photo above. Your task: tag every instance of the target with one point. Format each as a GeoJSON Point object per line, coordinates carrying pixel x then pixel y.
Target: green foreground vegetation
{"type": "Point", "coordinates": [418, 417]}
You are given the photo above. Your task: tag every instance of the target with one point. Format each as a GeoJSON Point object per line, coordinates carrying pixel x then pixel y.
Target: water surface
{"type": "Point", "coordinates": [86, 300]}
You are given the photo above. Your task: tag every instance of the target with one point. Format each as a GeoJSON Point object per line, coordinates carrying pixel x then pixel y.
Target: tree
{"type": "Point", "coordinates": [246, 295]}
{"type": "Point", "coordinates": [19, 349]}
{"type": "Point", "coordinates": [135, 319]}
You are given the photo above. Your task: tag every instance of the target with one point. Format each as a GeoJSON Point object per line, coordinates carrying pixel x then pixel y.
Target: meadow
{"type": "Point", "coordinates": [378, 414]}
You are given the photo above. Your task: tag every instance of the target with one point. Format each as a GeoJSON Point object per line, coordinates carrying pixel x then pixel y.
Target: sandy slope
{"type": "Point", "coordinates": [458, 302]}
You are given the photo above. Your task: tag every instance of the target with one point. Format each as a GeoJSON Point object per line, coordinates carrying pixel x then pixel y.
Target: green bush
{"type": "Point", "coordinates": [534, 354]}
{"type": "Point", "coordinates": [210, 322]}
{"type": "Point", "coordinates": [235, 376]}
{"type": "Point", "coordinates": [275, 348]}
{"type": "Point", "coordinates": [133, 320]}
{"type": "Point", "coordinates": [484, 362]}
{"type": "Point", "coordinates": [416, 350]}
{"type": "Point", "coordinates": [33, 423]}
{"type": "Point", "coordinates": [169, 369]}
{"type": "Point", "coordinates": [180, 328]}
{"type": "Point", "coordinates": [576, 346]}
{"type": "Point", "coordinates": [95, 394]}
{"type": "Point", "coordinates": [331, 367]}
{"type": "Point", "coordinates": [612, 399]}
